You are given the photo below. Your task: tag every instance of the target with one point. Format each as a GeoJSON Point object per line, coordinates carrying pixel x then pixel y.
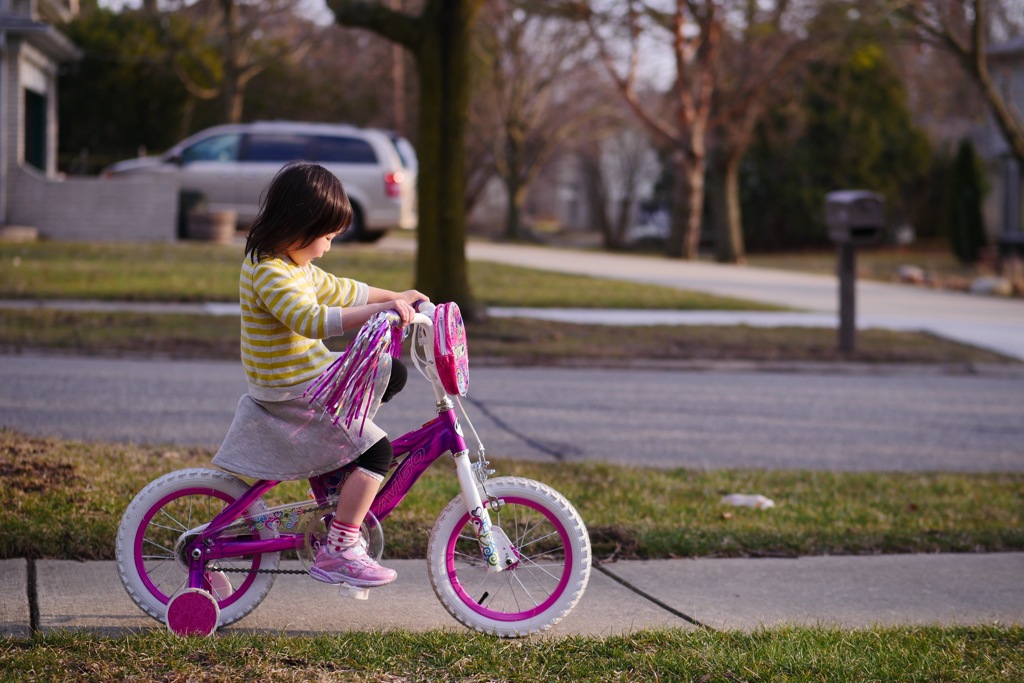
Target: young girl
{"type": "Point", "coordinates": [289, 306]}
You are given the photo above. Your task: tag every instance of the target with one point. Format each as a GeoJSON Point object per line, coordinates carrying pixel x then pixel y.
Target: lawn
{"type": "Point", "coordinates": [188, 272]}
{"type": "Point", "coordinates": [780, 655]}
{"type": "Point", "coordinates": [46, 485]}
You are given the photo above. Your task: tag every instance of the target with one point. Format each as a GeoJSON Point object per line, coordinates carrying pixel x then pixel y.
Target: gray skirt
{"type": "Point", "coordinates": [284, 440]}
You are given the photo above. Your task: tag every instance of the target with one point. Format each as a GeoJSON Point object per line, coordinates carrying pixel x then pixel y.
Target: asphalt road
{"type": "Point", "coordinates": [902, 420]}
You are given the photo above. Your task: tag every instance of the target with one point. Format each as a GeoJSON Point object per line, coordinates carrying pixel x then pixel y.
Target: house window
{"type": "Point", "coordinates": [35, 129]}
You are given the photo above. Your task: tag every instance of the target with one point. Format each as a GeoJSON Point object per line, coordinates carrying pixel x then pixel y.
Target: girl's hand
{"type": "Point", "coordinates": [404, 310]}
{"type": "Point", "coordinates": [412, 297]}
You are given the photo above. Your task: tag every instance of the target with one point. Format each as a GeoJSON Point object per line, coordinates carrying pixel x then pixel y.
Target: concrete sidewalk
{"type": "Point", "coordinates": [733, 594]}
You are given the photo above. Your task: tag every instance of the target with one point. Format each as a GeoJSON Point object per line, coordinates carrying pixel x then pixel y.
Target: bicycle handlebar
{"type": "Point", "coordinates": [424, 314]}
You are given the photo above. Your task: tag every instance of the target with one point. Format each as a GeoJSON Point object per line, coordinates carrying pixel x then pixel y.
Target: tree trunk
{"type": "Point", "coordinates": [696, 214]}
{"type": "Point", "coordinates": [725, 201]}
{"type": "Point", "coordinates": [442, 60]}
{"type": "Point", "coordinates": [231, 93]}
{"type": "Point", "coordinates": [439, 38]}
{"type": "Point", "coordinates": [687, 207]}
{"type": "Point", "coordinates": [398, 89]}
{"type": "Point", "coordinates": [514, 212]}
{"type": "Point", "coordinates": [597, 205]}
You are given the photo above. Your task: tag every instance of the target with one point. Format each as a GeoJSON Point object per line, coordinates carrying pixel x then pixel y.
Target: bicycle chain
{"type": "Point", "coordinates": [227, 570]}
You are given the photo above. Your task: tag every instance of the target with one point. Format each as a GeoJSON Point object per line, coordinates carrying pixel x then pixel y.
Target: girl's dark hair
{"type": "Point", "coordinates": [304, 202]}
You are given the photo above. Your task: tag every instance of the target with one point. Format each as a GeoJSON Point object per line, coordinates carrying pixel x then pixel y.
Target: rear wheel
{"type": "Point", "coordinates": [553, 567]}
{"type": "Point", "coordinates": [357, 230]}
{"type": "Point", "coordinates": [158, 525]}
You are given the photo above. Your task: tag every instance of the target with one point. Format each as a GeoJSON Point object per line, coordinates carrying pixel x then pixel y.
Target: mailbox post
{"type": "Point", "coordinates": [855, 218]}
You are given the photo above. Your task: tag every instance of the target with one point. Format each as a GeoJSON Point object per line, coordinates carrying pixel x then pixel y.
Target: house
{"type": "Point", "coordinates": [34, 198]}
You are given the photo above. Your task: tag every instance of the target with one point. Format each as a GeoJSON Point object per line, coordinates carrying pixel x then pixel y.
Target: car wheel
{"type": "Point", "coordinates": [355, 228]}
{"type": "Point", "coordinates": [370, 236]}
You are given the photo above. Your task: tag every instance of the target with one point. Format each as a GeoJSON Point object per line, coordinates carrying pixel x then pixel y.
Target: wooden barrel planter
{"type": "Point", "coordinates": [212, 226]}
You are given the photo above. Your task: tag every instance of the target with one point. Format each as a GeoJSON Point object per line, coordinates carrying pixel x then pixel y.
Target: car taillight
{"type": "Point", "coordinates": [393, 184]}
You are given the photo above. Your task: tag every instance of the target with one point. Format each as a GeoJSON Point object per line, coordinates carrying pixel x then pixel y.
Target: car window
{"type": "Point", "coordinates": [405, 151]}
{"type": "Point", "coordinates": [276, 147]}
{"type": "Point", "coordinates": [216, 148]}
{"type": "Point", "coordinates": [343, 150]}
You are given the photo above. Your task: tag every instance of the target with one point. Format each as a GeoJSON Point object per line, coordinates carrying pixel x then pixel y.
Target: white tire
{"type": "Point", "coordinates": [540, 589]}
{"type": "Point", "coordinates": [152, 528]}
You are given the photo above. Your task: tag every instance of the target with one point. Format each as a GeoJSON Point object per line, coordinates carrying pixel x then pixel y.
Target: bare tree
{"type": "Point", "coordinates": [532, 72]}
{"type": "Point", "coordinates": [439, 39]}
{"type": "Point", "coordinates": [764, 44]}
{"type": "Point", "coordinates": [692, 32]}
{"type": "Point", "coordinates": [616, 166]}
{"type": "Point", "coordinates": [967, 29]}
{"type": "Point", "coordinates": [237, 41]}
{"type": "Point", "coordinates": [480, 133]}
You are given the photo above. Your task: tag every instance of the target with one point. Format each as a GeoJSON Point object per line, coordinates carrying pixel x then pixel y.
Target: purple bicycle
{"type": "Point", "coordinates": [199, 548]}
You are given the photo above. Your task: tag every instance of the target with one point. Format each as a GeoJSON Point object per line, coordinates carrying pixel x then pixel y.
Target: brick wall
{"type": "Point", "coordinates": [134, 208]}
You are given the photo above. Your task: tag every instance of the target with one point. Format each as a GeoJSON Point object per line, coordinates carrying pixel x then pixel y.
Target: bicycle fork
{"type": "Point", "coordinates": [495, 546]}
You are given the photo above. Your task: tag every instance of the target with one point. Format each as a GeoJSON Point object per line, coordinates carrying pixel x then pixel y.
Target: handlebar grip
{"type": "Point", "coordinates": [424, 307]}
{"type": "Point", "coordinates": [423, 319]}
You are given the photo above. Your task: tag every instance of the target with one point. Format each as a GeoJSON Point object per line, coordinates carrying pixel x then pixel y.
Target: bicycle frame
{"type": "Point", "coordinates": [415, 452]}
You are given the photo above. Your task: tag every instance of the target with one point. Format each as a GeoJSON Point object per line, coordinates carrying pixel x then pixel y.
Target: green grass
{"type": "Point", "coordinates": [63, 499]}
{"type": "Point", "coordinates": [782, 655]}
{"type": "Point", "coordinates": [498, 340]}
{"type": "Point", "coordinates": [880, 263]}
{"type": "Point", "coordinates": [189, 272]}
{"type": "Point", "coordinates": [209, 272]}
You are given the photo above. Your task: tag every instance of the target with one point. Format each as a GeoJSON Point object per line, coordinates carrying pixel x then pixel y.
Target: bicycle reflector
{"type": "Point", "coordinates": [451, 355]}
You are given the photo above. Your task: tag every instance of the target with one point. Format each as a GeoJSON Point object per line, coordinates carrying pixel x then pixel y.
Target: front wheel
{"type": "Point", "coordinates": [547, 581]}
{"type": "Point", "coordinates": [159, 523]}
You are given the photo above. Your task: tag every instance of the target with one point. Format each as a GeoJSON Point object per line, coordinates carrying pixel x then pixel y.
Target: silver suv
{"type": "Point", "coordinates": [232, 165]}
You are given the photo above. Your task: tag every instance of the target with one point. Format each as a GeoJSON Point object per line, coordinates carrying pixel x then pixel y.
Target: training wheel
{"type": "Point", "coordinates": [354, 592]}
{"type": "Point", "coordinates": [192, 612]}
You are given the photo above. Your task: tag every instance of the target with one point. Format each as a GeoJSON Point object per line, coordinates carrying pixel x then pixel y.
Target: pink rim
{"type": "Point", "coordinates": [140, 564]}
{"type": "Point", "coordinates": [468, 600]}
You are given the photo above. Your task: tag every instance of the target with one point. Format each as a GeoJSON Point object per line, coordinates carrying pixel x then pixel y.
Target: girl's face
{"type": "Point", "coordinates": [313, 250]}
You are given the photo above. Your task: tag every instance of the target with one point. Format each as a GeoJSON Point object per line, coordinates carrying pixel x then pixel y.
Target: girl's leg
{"type": "Point", "coordinates": [396, 382]}
{"type": "Point", "coordinates": [361, 486]}
{"type": "Point", "coordinates": [353, 503]}
{"type": "Point", "coordinates": [343, 558]}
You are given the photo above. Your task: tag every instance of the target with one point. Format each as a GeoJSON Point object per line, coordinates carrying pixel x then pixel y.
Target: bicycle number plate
{"type": "Point", "coordinates": [451, 355]}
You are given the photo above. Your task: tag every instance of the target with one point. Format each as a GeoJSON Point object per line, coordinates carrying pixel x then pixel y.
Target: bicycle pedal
{"type": "Point", "coordinates": [347, 591]}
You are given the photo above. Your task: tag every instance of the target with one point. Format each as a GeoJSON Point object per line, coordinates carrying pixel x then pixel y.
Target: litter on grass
{"type": "Point", "coordinates": [750, 501]}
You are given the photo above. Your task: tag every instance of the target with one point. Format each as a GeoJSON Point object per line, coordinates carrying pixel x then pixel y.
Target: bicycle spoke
{"type": "Point", "coordinates": [169, 551]}
{"type": "Point", "coordinates": [543, 571]}
{"type": "Point", "coordinates": [525, 524]}
{"type": "Point", "coordinates": [515, 577]}
{"type": "Point", "coordinates": [157, 558]}
{"type": "Point", "coordinates": [473, 560]}
{"type": "Point", "coordinates": [165, 513]}
{"type": "Point", "coordinates": [538, 540]}
{"type": "Point", "coordinates": [167, 569]}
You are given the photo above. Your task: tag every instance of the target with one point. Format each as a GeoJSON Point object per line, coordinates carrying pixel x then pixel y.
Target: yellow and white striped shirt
{"type": "Point", "coordinates": [287, 311]}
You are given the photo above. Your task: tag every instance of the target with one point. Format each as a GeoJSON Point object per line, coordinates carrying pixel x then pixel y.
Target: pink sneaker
{"type": "Point", "coordinates": [352, 566]}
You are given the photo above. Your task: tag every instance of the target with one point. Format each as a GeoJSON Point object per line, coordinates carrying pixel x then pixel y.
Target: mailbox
{"type": "Point", "coordinates": [855, 217]}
